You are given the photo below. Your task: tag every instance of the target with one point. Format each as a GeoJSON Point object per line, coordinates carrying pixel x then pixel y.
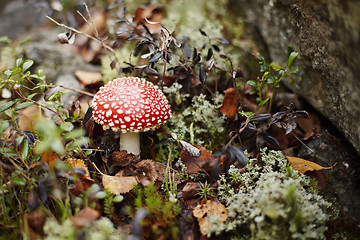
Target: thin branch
{"type": "Point", "coordinates": [84, 34]}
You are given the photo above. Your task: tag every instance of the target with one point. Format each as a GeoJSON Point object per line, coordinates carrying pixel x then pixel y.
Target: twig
{"type": "Point", "coordinates": [84, 34]}
{"type": "Point", "coordinates": [77, 90]}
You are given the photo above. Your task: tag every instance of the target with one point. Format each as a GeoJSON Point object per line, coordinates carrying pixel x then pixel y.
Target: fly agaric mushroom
{"type": "Point", "coordinates": [130, 105]}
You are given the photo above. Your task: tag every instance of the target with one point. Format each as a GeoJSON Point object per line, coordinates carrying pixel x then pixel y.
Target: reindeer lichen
{"type": "Point", "coordinates": [273, 201]}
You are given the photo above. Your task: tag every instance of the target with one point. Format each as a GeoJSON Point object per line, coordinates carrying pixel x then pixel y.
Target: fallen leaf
{"type": "Point", "coordinates": [80, 164]}
{"type": "Point", "coordinates": [152, 13]}
{"type": "Point", "coordinates": [28, 118]}
{"type": "Point", "coordinates": [88, 78]}
{"type": "Point", "coordinates": [85, 217]}
{"type": "Point", "coordinates": [209, 209]}
{"type": "Point", "coordinates": [190, 189]}
{"type": "Point", "coordinates": [36, 220]}
{"type": "Point", "coordinates": [153, 170]}
{"type": "Point", "coordinates": [204, 162]}
{"type": "Point", "coordinates": [304, 165]}
{"type": "Point", "coordinates": [310, 126]}
{"type": "Point", "coordinates": [119, 185]}
{"type": "Point", "coordinates": [50, 158]}
{"type": "Point", "coordinates": [230, 103]}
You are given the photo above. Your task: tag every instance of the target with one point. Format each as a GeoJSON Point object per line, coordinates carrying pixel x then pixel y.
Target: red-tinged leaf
{"type": "Point", "coordinates": [85, 217]}
{"type": "Point", "coordinates": [204, 162]}
{"type": "Point", "coordinates": [230, 104]}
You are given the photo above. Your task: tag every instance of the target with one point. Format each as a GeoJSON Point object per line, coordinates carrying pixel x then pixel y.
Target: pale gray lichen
{"type": "Point", "coordinates": [272, 204]}
{"type": "Point", "coordinates": [101, 229]}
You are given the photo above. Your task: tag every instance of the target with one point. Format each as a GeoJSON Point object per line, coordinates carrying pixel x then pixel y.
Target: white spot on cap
{"type": "Point", "coordinates": [120, 111]}
{"type": "Point", "coordinates": [127, 119]}
{"type": "Point", "coordinates": [108, 113]}
{"type": "Point", "coordinates": [106, 106]}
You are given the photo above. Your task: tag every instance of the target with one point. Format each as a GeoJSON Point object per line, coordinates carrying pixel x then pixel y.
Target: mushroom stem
{"type": "Point", "coordinates": [130, 141]}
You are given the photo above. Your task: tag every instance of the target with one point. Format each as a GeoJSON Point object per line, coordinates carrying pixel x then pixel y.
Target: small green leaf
{"type": "Point", "coordinates": [93, 189]}
{"type": "Point", "coordinates": [101, 195]}
{"type": "Point", "coordinates": [5, 39]}
{"type": "Point", "coordinates": [8, 72]}
{"type": "Point", "coordinates": [27, 64]}
{"type": "Point", "coordinates": [18, 62]}
{"type": "Point", "coordinates": [3, 126]}
{"type": "Point", "coordinates": [252, 83]}
{"type": "Point", "coordinates": [292, 58]}
{"type": "Point", "coordinates": [118, 198]}
{"type": "Point", "coordinates": [261, 103]}
{"type": "Point", "coordinates": [7, 105]}
{"type": "Point", "coordinates": [16, 71]}
{"type": "Point", "coordinates": [275, 66]}
{"type": "Point", "coordinates": [17, 179]}
{"type": "Point", "coordinates": [88, 152]}
{"type": "Point", "coordinates": [24, 150]}
{"type": "Point", "coordinates": [67, 126]}
{"type": "Point", "coordinates": [23, 105]}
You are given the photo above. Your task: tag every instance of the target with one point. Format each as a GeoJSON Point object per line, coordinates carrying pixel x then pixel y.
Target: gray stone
{"type": "Point", "coordinates": [327, 35]}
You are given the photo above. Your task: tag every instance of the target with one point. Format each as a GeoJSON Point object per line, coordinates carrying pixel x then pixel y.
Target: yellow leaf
{"type": "Point", "coordinates": [119, 185]}
{"type": "Point", "coordinates": [78, 163]}
{"type": "Point", "coordinates": [304, 165]}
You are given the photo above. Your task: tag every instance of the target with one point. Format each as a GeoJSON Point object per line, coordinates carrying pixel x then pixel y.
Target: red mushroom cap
{"type": "Point", "coordinates": [130, 104]}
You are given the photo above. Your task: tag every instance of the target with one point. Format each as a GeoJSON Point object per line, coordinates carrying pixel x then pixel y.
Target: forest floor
{"type": "Point", "coordinates": [64, 176]}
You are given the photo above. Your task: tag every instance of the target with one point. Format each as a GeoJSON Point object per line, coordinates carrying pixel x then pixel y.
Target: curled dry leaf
{"type": "Point", "coordinates": [209, 209]}
{"type": "Point", "coordinates": [304, 165]}
{"type": "Point", "coordinates": [230, 104]}
{"type": "Point", "coordinates": [80, 164]}
{"type": "Point", "coordinates": [153, 170]}
{"type": "Point", "coordinates": [119, 185]}
{"type": "Point", "coordinates": [204, 162]}
{"type": "Point", "coordinates": [85, 217]}
{"type": "Point", "coordinates": [88, 78]}
{"type": "Point", "coordinates": [194, 152]}
{"type": "Point", "coordinates": [66, 38]}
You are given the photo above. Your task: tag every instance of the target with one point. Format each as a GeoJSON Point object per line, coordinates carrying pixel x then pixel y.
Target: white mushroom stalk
{"type": "Point", "coordinates": [130, 105]}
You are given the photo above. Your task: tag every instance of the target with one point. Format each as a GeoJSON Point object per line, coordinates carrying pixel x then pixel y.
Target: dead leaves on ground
{"type": "Point", "coordinates": [144, 172]}
{"type": "Point", "coordinates": [230, 103]}
{"type": "Point", "coordinates": [204, 211]}
{"type": "Point", "coordinates": [203, 163]}
{"type": "Point", "coordinates": [304, 165]}
{"type": "Point", "coordinates": [118, 185]}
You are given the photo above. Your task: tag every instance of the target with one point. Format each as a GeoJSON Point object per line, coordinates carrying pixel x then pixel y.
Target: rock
{"type": "Point", "coordinates": [327, 35]}
{"type": "Point", "coordinates": [18, 17]}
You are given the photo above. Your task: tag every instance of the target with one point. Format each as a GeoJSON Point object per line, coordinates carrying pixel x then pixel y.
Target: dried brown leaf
{"type": "Point", "coordinates": [119, 185]}
{"type": "Point", "coordinates": [153, 170]}
{"type": "Point", "coordinates": [304, 165]}
{"type": "Point", "coordinates": [198, 164]}
{"type": "Point", "coordinates": [88, 78]}
{"type": "Point", "coordinates": [85, 217]}
{"type": "Point", "coordinates": [79, 163]}
{"type": "Point", "coordinates": [230, 104]}
{"type": "Point", "coordinates": [205, 210]}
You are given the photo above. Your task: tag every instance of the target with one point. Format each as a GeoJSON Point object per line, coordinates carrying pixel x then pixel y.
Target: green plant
{"type": "Point", "coordinates": [205, 191]}
{"type": "Point", "coordinates": [25, 146]}
{"type": "Point", "coordinates": [161, 217]}
{"type": "Point", "coordinates": [109, 201]}
{"type": "Point", "coordinates": [272, 74]}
